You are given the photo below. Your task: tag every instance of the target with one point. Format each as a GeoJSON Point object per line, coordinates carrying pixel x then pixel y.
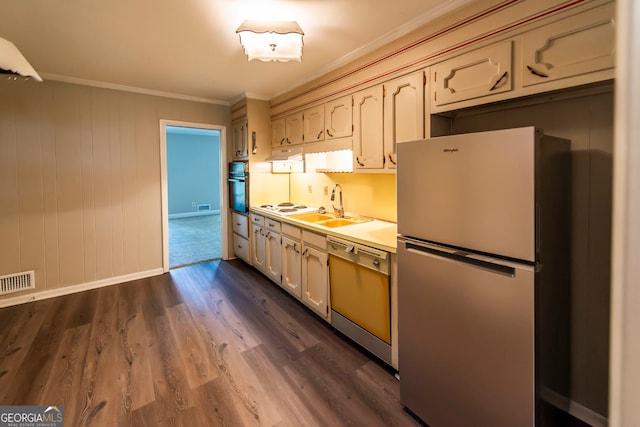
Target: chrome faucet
{"type": "Point", "coordinates": [338, 212]}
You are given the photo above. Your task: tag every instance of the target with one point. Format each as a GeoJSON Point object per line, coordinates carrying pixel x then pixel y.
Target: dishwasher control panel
{"type": "Point", "coordinates": [366, 256]}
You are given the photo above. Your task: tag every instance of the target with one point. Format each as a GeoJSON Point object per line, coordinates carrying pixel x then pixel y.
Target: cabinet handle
{"type": "Point", "coordinates": [358, 161]}
{"type": "Point", "coordinates": [261, 232]}
{"type": "Point", "coordinates": [329, 133]}
{"type": "Point", "coordinates": [282, 141]}
{"type": "Point", "coordinates": [306, 253]}
{"type": "Point", "coordinates": [319, 135]}
{"type": "Point", "coordinates": [295, 248]}
{"type": "Point", "coordinates": [391, 159]}
{"type": "Point", "coordinates": [536, 72]}
{"type": "Point", "coordinates": [499, 82]}
{"type": "Point", "coordinates": [288, 140]}
{"type": "Point", "coordinates": [239, 247]}
{"type": "Point", "coordinates": [238, 224]}
{"type": "Point", "coordinates": [376, 262]}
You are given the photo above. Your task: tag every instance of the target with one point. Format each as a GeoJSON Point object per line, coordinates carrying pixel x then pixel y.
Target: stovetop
{"type": "Point", "coordinates": [286, 208]}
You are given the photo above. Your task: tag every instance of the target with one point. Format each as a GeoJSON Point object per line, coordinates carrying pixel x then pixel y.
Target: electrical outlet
{"type": "Point", "coordinates": [310, 189]}
{"type": "Point", "coordinates": [193, 204]}
{"type": "Point", "coordinates": [326, 190]}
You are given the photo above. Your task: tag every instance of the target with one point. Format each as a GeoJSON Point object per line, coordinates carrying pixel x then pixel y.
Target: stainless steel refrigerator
{"type": "Point", "coordinates": [483, 276]}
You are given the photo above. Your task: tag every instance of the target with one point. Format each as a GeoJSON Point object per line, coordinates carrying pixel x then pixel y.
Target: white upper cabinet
{"type": "Point", "coordinates": [287, 130]}
{"type": "Point", "coordinates": [240, 140]}
{"type": "Point", "coordinates": [294, 129]}
{"type": "Point", "coordinates": [581, 44]}
{"type": "Point", "coordinates": [403, 113]}
{"type": "Point", "coordinates": [368, 150]}
{"type": "Point", "coordinates": [338, 117]}
{"type": "Point", "coordinates": [278, 133]}
{"type": "Point", "coordinates": [314, 124]}
{"type": "Point", "coordinates": [481, 73]}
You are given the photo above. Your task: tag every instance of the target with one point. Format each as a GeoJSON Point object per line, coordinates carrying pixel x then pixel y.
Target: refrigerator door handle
{"type": "Point", "coordinates": [463, 257]}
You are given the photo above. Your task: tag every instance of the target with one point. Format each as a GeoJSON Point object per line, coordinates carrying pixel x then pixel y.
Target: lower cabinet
{"type": "Point", "coordinates": [241, 236]}
{"type": "Point", "coordinates": [315, 273]}
{"type": "Point", "coordinates": [292, 264]}
{"type": "Point", "coordinates": [272, 256]}
{"type": "Point", "coordinates": [265, 246]}
{"type": "Point", "coordinates": [305, 271]}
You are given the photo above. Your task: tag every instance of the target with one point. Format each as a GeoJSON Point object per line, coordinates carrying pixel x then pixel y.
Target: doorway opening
{"type": "Point", "coordinates": [193, 193]}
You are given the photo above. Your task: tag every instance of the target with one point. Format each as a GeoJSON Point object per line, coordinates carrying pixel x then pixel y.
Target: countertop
{"type": "Point", "coordinates": [375, 233]}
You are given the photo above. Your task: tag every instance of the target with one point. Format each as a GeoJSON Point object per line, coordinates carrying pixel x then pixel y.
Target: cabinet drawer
{"type": "Point", "coordinates": [581, 44]}
{"type": "Point", "coordinates": [481, 73]}
{"type": "Point", "coordinates": [292, 231]}
{"type": "Point", "coordinates": [241, 247]}
{"type": "Point", "coordinates": [241, 225]}
{"type": "Point", "coordinates": [257, 219]}
{"type": "Point", "coordinates": [314, 239]}
{"type": "Point", "coordinates": [271, 225]}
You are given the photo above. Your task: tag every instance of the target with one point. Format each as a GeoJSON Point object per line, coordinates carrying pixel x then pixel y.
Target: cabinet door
{"type": "Point", "coordinates": [241, 247]}
{"type": "Point", "coordinates": [258, 247]}
{"type": "Point", "coordinates": [278, 136]}
{"type": "Point", "coordinates": [367, 135]}
{"type": "Point", "coordinates": [294, 129]}
{"type": "Point", "coordinates": [240, 140]}
{"type": "Point", "coordinates": [403, 113]}
{"type": "Point", "coordinates": [315, 280]}
{"type": "Point", "coordinates": [338, 117]}
{"type": "Point", "coordinates": [314, 124]}
{"type": "Point", "coordinates": [582, 44]}
{"type": "Point", "coordinates": [272, 261]}
{"type": "Point", "coordinates": [240, 224]}
{"type": "Point", "coordinates": [476, 74]}
{"type": "Point", "coordinates": [292, 266]}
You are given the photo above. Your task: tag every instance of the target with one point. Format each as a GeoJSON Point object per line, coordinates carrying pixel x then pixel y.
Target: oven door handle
{"type": "Point", "coordinates": [236, 179]}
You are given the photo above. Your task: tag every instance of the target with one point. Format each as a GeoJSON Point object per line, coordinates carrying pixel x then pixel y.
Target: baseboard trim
{"type": "Point", "coordinates": [188, 214]}
{"type": "Point", "coordinates": [36, 296]}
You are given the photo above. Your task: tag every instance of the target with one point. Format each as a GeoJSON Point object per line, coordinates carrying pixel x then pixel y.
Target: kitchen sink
{"type": "Point", "coordinates": [328, 220]}
{"type": "Point", "coordinates": [312, 217]}
{"type": "Point", "coordinates": [340, 222]}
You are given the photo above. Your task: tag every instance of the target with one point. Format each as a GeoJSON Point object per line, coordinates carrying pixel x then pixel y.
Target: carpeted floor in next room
{"type": "Point", "coordinates": [194, 239]}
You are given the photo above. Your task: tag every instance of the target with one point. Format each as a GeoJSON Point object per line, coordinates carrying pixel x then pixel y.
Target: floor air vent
{"type": "Point", "coordinates": [17, 282]}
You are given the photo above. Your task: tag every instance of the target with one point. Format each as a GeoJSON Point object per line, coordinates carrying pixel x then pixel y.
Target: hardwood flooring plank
{"type": "Point", "coordinates": [217, 397]}
{"type": "Point", "coordinates": [64, 383]}
{"type": "Point", "coordinates": [100, 390]}
{"type": "Point", "coordinates": [193, 350]}
{"type": "Point", "coordinates": [21, 325]}
{"type": "Point", "coordinates": [336, 382]}
{"type": "Point", "coordinates": [171, 387]}
{"type": "Point", "coordinates": [281, 395]}
{"type": "Point", "coordinates": [382, 390]}
{"type": "Point", "coordinates": [31, 375]}
{"type": "Point", "coordinates": [135, 379]}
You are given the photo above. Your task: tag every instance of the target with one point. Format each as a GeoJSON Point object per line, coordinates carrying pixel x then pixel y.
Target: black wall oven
{"type": "Point", "coordinates": [239, 186]}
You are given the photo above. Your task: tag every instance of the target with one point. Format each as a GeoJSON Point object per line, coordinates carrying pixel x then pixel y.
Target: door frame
{"type": "Point", "coordinates": [224, 214]}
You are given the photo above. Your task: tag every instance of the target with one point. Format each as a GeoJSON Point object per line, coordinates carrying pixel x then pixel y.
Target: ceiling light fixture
{"type": "Point", "coordinates": [13, 63]}
{"type": "Point", "coordinates": [272, 40]}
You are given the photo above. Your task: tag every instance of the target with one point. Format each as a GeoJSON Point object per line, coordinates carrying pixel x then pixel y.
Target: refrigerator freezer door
{"type": "Point", "coordinates": [474, 191]}
{"type": "Point", "coordinates": [466, 339]}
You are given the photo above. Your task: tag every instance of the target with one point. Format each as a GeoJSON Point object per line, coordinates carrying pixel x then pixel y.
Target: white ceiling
{"type": "Point", "coordinates": [190, 48]}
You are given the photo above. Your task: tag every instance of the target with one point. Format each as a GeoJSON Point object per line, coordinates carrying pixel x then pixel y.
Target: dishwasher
{"type": "Point", "coordinates": [361, 294]}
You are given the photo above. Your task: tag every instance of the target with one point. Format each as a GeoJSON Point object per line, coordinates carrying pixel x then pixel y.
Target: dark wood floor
{"type": "Point", "coordinates": [213, 344]}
